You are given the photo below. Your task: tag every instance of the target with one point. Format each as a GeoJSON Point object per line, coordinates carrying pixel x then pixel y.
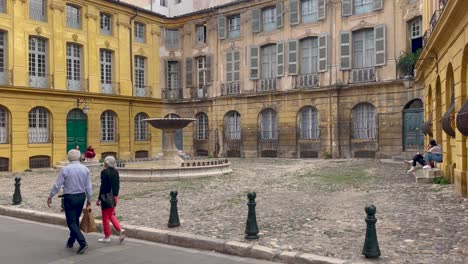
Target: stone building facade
{"type": "Point", "coordinates": [443, 68]}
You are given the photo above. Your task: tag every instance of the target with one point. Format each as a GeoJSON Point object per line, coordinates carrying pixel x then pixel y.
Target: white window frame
{"type": "Point", "coordinates": [172, 38]}
{"type": "Point", "coordinates": [140, 32]}
{"type": "Point", "coordinates": [233, 126]}
{"type": "Point", "coordinates": [38, 62]}
{"type": "Point", "coordinates": [38, 10]}
{"type": "Point", "coordinates": [363, 57]}
{"type": "Point", "coordinates": [416, 28]}
{"type": "Point", "coordinates": [269, 19]}
{"type": "Point", "coordinates": [233, 23]}
{"type": "Point", "coordinates": [201, 72]}
{"type": "Point", "coordinates": [201, 34]}
{"type": "Point", "coordinates": [309, 123]}
{"type": "Point", "coordinates": [363, 6]}
{"type": "Point", "coordinates": [74, 66]}
{"type": "Point", "coordinates": [309, 11]}
{"type": "Point", "coordinates": [364, 122]}
{"type": "Point", "coordinates": [163, 3]}
{"type": "Point", "coordinates": [3, 6]}
{"type": "Point", "coordinates": [3, 58]}
{"type": "Point", "coordinates": [309, 54]}
{"type": "Point", "coordinates": [108, 126]}
{"type": "Point", "coordinates": [3, 125]}
{"type": "Point", "coordinates": [173, 74]}
{"type": "Point", "coordinates": [202, 128]}
{"type": "Point", "coordinates": [38, 132]}
{"type": "Point", "coordinates": [105, 23]}
{"type": "Point", "coordinates": [269, 63]}
{"type": "Point", "coordinates": [73, 16]}
{"type": "Point", "coordinates": [269, 124]}
{"type": "Point", "coordinates": [141, 127]}
{"type": "Point", "coordinates": [140, 76]}
{"type": "Point", "coordinates": [106, 65]}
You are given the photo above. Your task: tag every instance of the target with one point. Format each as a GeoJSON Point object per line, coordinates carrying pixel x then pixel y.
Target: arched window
{"type": "Point", "coordinates": [308, 123]}
{"type": "Point", "coordinates": [38, 125]}
{"type": "Point", "coordinates": [232, 127]}
{"type": "Point", "coordinates": [141, 127]}
{"type": "Point", "coordinates": [201, 126]}
{"type": "Point", "coordinates": [268, 124]}
{"type": "Point", "coordinates": [364, 121]}
{"type": "Point", "coordinates": [108, 126]}
{"type": "Point", "coordinates": [3, 125]}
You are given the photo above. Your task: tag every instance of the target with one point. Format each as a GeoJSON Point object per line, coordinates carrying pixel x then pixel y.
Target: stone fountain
{"type": "Point", "coordinates": [170, 166]}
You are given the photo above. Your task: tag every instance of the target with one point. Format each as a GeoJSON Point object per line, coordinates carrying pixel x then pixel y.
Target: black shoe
{"type": "Point", "coordinates": [82, 249]}
{"type": "Point", "coordinates": [69, 245]}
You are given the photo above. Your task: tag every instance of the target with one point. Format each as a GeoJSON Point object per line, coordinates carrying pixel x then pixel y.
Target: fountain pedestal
{"type": "Point", "coordinates": [170, 154]}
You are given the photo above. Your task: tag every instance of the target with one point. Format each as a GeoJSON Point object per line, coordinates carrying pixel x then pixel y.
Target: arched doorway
{"type": "Point", "coordinates": [178, 136]}
{"type": "Point", "coordinates": [77, 129]}
{"type": "Point", "coordinates": [413, 115]}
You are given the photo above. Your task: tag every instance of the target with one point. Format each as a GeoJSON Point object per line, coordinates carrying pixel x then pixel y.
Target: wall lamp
{"type": "Point", "coordinates": [79, 102]}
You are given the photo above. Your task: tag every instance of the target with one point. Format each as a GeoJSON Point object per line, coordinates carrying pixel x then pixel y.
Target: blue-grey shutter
{"type": "Point", "coordinates": [280, 59]}
{"type": "Point", "coordinates": [292, 56]}
{"type": "Point", "coordinates": [346, 7]}
{"type": "Point", "coordinates": [188, 72]}
{"type": "Point", "coordinates": [293, 12]}
{"type": "Point", "coordinates": [323, 51]}
{"type": "Point", "coordinates": [256, 18]}
{"type": "Point", "coordinates": [279, 15]}
{"type": "Point", "coordinates": [345, 50]}
{"type": "Point", "coordinates": [221, 27]}
{"type": "Point", "coordinates": [236, 63]}
{"type": "Point", "coordinates": [378, 5]}
{"type": "Point", "coordinates": [321, 10]}
{"type": "Point", "coordinates": [379, 38]}
{"type": "Point", "coordinates": [229, 68]}
{"type": "Point", "coordinates": [253, 62]}
{"type": "Point", "coordinates": [208, 69]}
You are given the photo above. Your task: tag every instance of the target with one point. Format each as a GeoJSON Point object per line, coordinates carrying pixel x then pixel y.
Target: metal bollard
{"type": "Point", "coordinates": [17, 195]}
{"type": "Point", "coordinates": [173, 215]}
{"type": "Point", "coordinates": [251, 228]}
{"type": "Point", "coordinates": [371, 245]}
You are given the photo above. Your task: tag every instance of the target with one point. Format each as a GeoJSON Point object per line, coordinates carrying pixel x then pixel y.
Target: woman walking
{"type": "Point", "coordinates": [108, 198]}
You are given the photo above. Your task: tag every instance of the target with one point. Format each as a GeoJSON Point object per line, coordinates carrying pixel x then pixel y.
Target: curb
{"type": "Point", "coordinates": [185, 240]}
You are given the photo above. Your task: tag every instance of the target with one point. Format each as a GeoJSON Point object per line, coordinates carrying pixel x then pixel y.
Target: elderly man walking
{"type": "Point", "coordinates": [76, 181]}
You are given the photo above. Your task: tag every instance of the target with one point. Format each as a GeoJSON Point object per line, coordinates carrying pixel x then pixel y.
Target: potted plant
{"type": "Point", "coordinates": [407, 61]}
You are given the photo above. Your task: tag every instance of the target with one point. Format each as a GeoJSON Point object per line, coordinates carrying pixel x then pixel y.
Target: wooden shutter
{"type": "Point", "coordinates": [345, 50]}
{"type": "Point", "coordinates": [279, 15]}
{"type": "Point", "coordinates": [293, 12]}
{"type": "Point", "coordinates": [256, 25]}
{"type": "Point", "coordinates": [323, 52]}
{"type": "Point", "coordinates": [379, 38]}
{"type": "Point", "coordinates": [280, 59]}
{"type": "Point", "coordinates": [321, 10]}
{"type": "Point", "coordinates": [221, 27]}
{"type": "Point", "coordinates": [254, 60]}
{"type": "Point", "coordinates": [166, 72]}
{"type": "Point", "coordinates": [346, 7]}
{"type": "Point", "coordinates": [229, 68]}
{"type": "Point", "coordinates": [236, 60]}
{"type": "Point", "coordinates": [179, 74]}
{"type": "Point", "coordinates": [188, 72]}
{"type": "Point", "coordinates": [378, 5]}
{"type": "Point", "coordinates": [292, 57]}
{"type": "Point", "coordinates": [208, 69]}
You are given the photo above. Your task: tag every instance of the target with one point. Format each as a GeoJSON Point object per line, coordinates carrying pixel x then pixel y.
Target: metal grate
{"type": "Point", "coordinates": [309, 154]}
{"type": "Point", "coordinates": [105, 154]}
{"type": "Point", "coordinates": [233, 153]}
{"type": "Point", "coordinates": [4, 164]}
{"type": "Point", "coordinates": [269, 153]}
{"type": "Point", "coordinates": [364, 154]}
{"type": "Point", "coordinates": [141, 154]}
{"type": "Point", "coordinates": [37, 162]}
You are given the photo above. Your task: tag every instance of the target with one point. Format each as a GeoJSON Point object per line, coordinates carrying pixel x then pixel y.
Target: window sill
{"type": "Point", "coordinates": [240, 38]}
{"type": "Point", "coordinates": [107, 143]}
{"type": "Point", "coordinates": [268, 33]}
{"type": "Point", "coordinates": [39, 145]}
{"type": "Point", "coordinates": [142, 142]}
{"type": "Point", "coordinates": [308, 24]}
{"type": "Point", "coordinates": [202, 45]}
{"type": "Point", "coordinates": [74, 29]}
{"type": "Point", "coordinates": [363, 16]}
{"type": "Point", "coordinates": [5, 145]}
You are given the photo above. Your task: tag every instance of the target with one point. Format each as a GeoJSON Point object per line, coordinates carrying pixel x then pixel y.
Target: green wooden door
{"type": "Point", "coordinates": [77, 130]}
{"type": "Point", "coordinates": [413, 138]}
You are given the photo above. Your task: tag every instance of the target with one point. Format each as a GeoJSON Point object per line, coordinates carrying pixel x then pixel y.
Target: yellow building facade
{"type": "Point", "coordinates": [443, 68]}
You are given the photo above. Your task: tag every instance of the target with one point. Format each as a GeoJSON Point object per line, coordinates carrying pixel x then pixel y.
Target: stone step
{"type": "Point", "coordinates": [89, 164]}
{"type": "Point", "coordinates": [426, 175]}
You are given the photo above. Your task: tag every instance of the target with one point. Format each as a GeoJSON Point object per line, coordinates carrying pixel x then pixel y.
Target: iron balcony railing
{"type": "Point", "coordinates": [39, 80]}
{"type": "Point", "coordinates": [442, 5]}
{"type": "Point", "coordinates": [78, 85]}
{"type": "Point", "coordinates": [143, 91]}
{"type": "Point", "coordinates": [362, 75]}
{"type": "Point", "coordinates": [110, 88]}
{"type": "Point", "coordinates": [6, 77]}
{"type": "Point", "coordinates": [265, 85]}
{"type": "Point", "coordinates": [200, 92]}
{"type": "Point", "coordinates": [230, 88]}
{"type": "Point", "coordinates": [172, 94]}
{"type": "Point", "coordinates": [434, 19]}
{"type": "Point", "coordinates": [307, 80]}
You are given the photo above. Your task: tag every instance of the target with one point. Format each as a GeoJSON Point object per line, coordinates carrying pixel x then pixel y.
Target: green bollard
{"type": "Point", "coordinates": [173, 215]}
{"type": "Point", "coordinates": [17, 194]}
{"type": "Point", "coordinates": [251, 228]}
{"type": "Point", "coordinates": [371, 245]}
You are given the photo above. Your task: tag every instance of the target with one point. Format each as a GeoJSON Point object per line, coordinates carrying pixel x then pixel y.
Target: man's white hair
{"type": "Point", "coordinates": [110, 161]}
{"type": "Point", "coordinates": [74, 155]}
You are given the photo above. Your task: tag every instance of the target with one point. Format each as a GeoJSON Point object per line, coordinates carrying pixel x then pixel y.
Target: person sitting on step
{"type": "Point", "coordinates": [433, 153]}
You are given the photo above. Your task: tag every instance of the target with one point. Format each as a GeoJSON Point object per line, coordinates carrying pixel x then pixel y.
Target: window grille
{"type": "Point", "coordinates": [364, 122]}
{"type": "Point", "coordinates": [4, 164]}
{"type": "Point", "coordinates": [38, 125]}
{"type": "Point", "coordinates": [269, 58]}
{"type": "Point", "coordinates": [106, 71]}
{"type": "Point", "coordinates": [106, 24]}
{"type": "Point", "coordinates": [363, 6]}
{"type": "Point", "coordinates": [309, 9]}
{"type": "Point", "coordinates": [3, 55]}
{"type": "Point", "coordinates": [73, 67]}
{"type": "Point", "coordinates": [363, 49]}
{"type": "Point", "coordinates": [37, 10]}
{"type": "Point", "coordinates": [73, 17]}
{"type": "Point", "coordinates": [232, 126]}
{"type": "Point", "coordinates": [202, 127]}
{"type": "Point", "coordinates": [141, 127]}
{"type": "Point", "coordinates": [173, 73]}
{"type": "Point", "coordinates": [172, 38]}
{"type": "Point", "coordinates": [163, 2]}
{"type": "Point", "coordinates": [234, 26]}
{"type": "Point", "coordinates": [37, 162]}
{"type": "Point", "coordinates": [309, 125]}
{"type": "Point", "coordinates": [201, 34]}
{"type": "Point", "coordinates": [38, 62]}
{"type": "Point", "coordinates": [3, 126]}
{"type": "Point", "coordinates": [141, 154]}
{"type": "Point", "coordinates": [269, 19]}
{"type": "Point", "coordinates": [140, 30]}
{"type": "Point", "coordinates": [108, 126]}
{"type": "Point", "coordinates": [309, 56]}
{"type": "Point", "coordinates": [268, 124]}
{"type": "Point", "coordinates": [140, 75]}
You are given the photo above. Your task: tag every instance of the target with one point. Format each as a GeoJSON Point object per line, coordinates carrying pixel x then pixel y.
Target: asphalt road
{"type": "Point", "coordinates": [26, 242]}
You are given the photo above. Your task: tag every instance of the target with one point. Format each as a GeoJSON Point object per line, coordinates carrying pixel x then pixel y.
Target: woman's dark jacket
{"type": "Point", "coordinates": [106, 184]}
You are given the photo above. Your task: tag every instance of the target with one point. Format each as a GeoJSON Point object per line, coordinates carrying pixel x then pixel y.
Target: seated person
{"type": "Point", "coordinates": [89, 153]}
{"type": "Point", "coordinates": [433, 153]}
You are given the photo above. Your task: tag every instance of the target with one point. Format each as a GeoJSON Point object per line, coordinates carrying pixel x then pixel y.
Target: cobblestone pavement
{"type": "Point", "coordinates": [314, 206]}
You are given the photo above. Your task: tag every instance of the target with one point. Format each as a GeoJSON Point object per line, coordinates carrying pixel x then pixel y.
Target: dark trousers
{"type": "Point", "coordinates": [419, 159]}
{"type": "Point", "coordinates": [73, 204]}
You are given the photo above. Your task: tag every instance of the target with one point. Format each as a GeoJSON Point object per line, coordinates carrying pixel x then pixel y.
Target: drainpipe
{"type": "Point", "coordinates": [330, 53]}
{"type": "Point", "coordinates": [131, 49]}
